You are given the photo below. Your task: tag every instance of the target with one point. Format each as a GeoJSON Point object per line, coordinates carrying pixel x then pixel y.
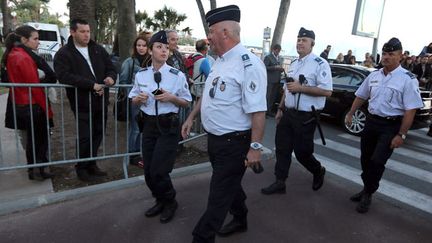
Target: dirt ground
{"type": "Point", "coordinates": [63, 148]}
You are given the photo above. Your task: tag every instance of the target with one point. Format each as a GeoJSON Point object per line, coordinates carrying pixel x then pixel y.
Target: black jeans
{"type": "Point", "coordinates": [40, 138]}
{"type": "Point", "coordinates": [292, 134]}
{"type": "Point", "coordinates": [84, 134]}
{"type": "Point", "coordinates": [227, 155]}
{"type": "Point", "coordinates": [375, 150]}
{"type": "Point", "coordinates": [159, 153]}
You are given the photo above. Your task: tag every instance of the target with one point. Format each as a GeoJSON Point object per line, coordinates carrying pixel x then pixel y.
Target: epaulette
{"type": "Point", "coordinates": [318, 60]}
{"type": "Point", "coordinates": [142, 69]}
{"type": "Point", "coordinates": [411, 75]}
{"type": "Point", "coordinates": [174, 71]}
{"type": "Point", "coordinates": [246, 60]}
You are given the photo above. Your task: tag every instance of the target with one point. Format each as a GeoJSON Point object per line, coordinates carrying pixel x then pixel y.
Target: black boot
{"type": "Point", "coordinates": [365, 202]}
{"type": "Point", "coordinates": [155, 210]}
{"type": "Point", "coordinates": [30, 173]}
{"type": "Point", "coordinates": [277, 187]}
{"type": "Point", "coordinates": [234, 226]}
{"type": "Point", "coordinates": [357, 197]}
{"type": "Point", "coordinates": [168, 211]}
{"type": "Point", "coordinates": [96, 171]}
{"type": "Point", "coordinates": [318, 179]}
{"type": "Point", "coordinates": [45, 175]}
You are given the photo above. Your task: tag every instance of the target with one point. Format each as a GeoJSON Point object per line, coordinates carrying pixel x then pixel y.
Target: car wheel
{"type": "Point", "coordinates": [358, 122]}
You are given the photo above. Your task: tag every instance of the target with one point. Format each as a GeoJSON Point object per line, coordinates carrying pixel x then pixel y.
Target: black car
{"type": "Point", "coordinates": [346, 80]}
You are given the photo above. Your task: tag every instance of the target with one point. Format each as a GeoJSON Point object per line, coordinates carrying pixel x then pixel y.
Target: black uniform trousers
{"type": "Point", "coordinates": [84, 141]}
{"type": "Point", "coordinates": [295, 132]}
{"type": "Point", "coordinates": [227, 154]}
{"type": "Point", "coordinates": [40, 138]}
{"type": "Point", "coordinates": [375, 149]}
{"type": "Point", "coordinates": [159, 145]}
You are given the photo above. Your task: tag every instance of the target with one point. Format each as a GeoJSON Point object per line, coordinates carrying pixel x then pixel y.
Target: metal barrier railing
{"type": "Point", "coordinates": [109, 149]}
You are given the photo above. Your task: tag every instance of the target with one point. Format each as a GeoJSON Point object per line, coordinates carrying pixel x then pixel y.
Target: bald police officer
{"type": "Point", "coordinates": [232, 108]}
{"type": "Point", "coordinates": [296, 121]}
{"type": "Point", "coordinates": [393, 96]}
{"type": "Point", "coordinates": [160, 90]}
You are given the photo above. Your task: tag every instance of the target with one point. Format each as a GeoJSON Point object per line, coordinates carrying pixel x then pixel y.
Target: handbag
{"type": "Point", "coordinates": [122, 103]}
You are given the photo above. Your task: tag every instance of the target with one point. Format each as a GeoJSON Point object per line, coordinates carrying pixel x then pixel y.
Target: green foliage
{"type": "Point", "coordinates": [33, 11]}
{"type": "Point", "coordinates": [140, 19]}
{"type": "Point", "coordinates": [165, 18]}
{"type": "Point", "coordinates": [106, 18]}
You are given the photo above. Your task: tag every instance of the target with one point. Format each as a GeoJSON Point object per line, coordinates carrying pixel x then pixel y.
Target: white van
{"type": "Point", "coordinates": [49, 39]}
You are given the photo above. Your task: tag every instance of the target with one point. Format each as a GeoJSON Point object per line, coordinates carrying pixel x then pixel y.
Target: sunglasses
{"type": "Point", "coordinates": [212, 91]}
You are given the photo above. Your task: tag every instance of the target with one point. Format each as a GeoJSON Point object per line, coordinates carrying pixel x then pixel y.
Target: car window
{"type": "Point", "coordinates": [346, 77]}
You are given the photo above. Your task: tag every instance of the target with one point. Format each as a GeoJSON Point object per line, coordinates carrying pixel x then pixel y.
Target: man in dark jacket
{"type": "Point", "coordinates": [87, 66]}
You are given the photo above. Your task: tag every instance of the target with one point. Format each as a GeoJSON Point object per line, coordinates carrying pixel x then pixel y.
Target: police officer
{"type": "Point", "coordinates": [296, 121]}
{"type": "Point", "coordinates": [232, 108]}
{"type": "Point", "coordinates": [160, 90]}
{"type": "Point", "coordinates": [393, 96]}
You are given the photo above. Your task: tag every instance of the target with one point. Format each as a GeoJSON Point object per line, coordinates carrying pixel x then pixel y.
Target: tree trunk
{"type": "Point", "coordinates": [125, 27]}
{"type": "Point", "coordinates": [202, 13]}
{"type": "Point", "coordinates": [86, 10]}
{"type": "Point", "coordinates": [280, 22]}
{"type": "Point", "coordinates": [7, 21]}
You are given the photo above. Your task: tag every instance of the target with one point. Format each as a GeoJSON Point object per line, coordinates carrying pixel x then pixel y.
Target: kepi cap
{"type": "Point", "coordinates": [159, 37]}
{"type": "Point", "coordinates": [230, 12]}
{"type": "Point", "coordinates": [306, 33]}
{"type": "Point", "coordinates": [393, 44]}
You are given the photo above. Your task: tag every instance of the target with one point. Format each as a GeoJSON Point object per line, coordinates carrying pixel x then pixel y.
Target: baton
{"type": "Point", "coordinates": [318, 125]}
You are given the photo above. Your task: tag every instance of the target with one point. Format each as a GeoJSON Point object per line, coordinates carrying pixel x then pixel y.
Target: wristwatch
{"type": "Point", "coordinates": [403, 136]}
{"type": "Point", "coordinates": [256, 146]}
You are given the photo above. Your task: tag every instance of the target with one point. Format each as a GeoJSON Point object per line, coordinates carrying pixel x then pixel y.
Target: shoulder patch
{"type": "Point", "coordinates": [318, 60]}
{"type": "Point", "coordinates": [174, 71]}
{"type": "Point", "coordinates": [143, 69]}
{"type": "Point", "coordinates": [245, 57]}
{"type": "Point", "coordinates": [411, 75]}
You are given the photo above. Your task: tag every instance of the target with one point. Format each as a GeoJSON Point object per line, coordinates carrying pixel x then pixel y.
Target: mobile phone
{"type": "Point", "coordinates": [157, 92]}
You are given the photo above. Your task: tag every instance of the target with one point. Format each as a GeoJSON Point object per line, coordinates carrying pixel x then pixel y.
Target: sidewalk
{"type": "Point", "coordinates": [301, 215]}
{"type": "Point", "coordinates": [14, 184]}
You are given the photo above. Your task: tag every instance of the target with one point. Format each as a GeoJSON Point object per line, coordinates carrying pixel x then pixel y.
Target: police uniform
{"type": "Point", "coordinates": [389, 97]}
{"type": "Point", "coordinates": [295, 131]}
{"type": "Point", "coordinates": [160, 128]}
{"type": "Point", "coordinates": [235, 88]}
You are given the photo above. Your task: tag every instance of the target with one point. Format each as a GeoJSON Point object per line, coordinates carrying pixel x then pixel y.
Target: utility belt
{"type": "Point", "coordinates": [387, 118]}
{"type": "Point", "coordinates": [168, 120]}
{"type": "Point", "coordinates": [232, 135]}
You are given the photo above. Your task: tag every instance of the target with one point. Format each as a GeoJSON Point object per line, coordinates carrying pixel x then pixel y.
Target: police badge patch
{"type": "Point", "coordinates": [252, 87]}
{"type": "Point", "coordinates": [222, 86]}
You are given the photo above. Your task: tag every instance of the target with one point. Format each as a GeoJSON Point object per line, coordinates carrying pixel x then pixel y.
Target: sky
{"type": "Point", "coordinates": [331, 20]}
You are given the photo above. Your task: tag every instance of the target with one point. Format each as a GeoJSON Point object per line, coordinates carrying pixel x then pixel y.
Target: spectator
{"type": "Point", "coordinates": [420, 70]}
{"type": "Point", "coordinates": [175, 58]}
{"type": "Point", "coordinates": [140, 58]}
{"type": "Point", "coordinates": [24, 66]}
{"type": "Point", "coordinates": [408, 64]}
{"type": "Point", "coordinates": [352, 60]}
{"type": "Point", "coordinates": [273, 63]}
{"type": "Point", "coordinates": [347, 57]}
{"type": "Point", "coordinates": [326, 52]}
{"type": "Point", "coordinates": [339, 59]}
{"type": "Point", "coordinates": [201, 68]}
{"type": "Point", "coordinates": [368, 62]}
{"type": "Point", "coordinates": [426, 50]}
{"type": "Point", "coordinates": [86, 65]}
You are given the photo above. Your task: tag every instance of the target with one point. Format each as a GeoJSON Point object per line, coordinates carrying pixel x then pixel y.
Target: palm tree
{"type": "Point", "coordinates": [125, 26]}
{"type": "Point", "coordinates": [166, 18]}
{"type": "Point", "coordinates": [7, 21]}
{"type": "Point", "coordinates": [202, 13]}
{"type": "Point", "coordinates": [280, 22]}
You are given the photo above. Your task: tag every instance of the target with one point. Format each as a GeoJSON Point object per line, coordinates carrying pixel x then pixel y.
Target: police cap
{"type": "Point", "coordinates": [306, 33]}
{"type": "Point", "coordinates": [393, 44]}
{"type": "Point", "coordinates": [230, 12]}
{"type": "Point", "coordinates": [159, 37]}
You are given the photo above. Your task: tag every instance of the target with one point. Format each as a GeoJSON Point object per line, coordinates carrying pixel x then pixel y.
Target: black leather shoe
{"type": "Point", "coordinates": [45, 175]}
{"type": "Point", "coordinates": [318, 180]}
{"type": "Point", "coordinates": [429, 133]}
{"type": "Point", "coordinates": [233, 227]}
{"type": "Point", "coordinates": [155, 210]}
{"type": "Point", "coordinates": [83, 175]}
{"type": "Point", "coordinates": [277, 187]}
{"type": "Point", "coordinates": [168, 211]}
{"type": "Point", "coordinates": [96, 171]}
{"type": "Point", "coordinates": [357, 197]}
{"type": "Point", "coordinates": [364, 204]}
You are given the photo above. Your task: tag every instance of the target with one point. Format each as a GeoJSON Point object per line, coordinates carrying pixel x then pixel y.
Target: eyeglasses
{"type": "Point", "coordinates": [212, 91]}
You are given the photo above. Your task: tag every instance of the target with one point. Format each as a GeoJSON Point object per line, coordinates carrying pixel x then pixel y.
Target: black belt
{"type": "Point", "coordinates": [298, 111]}
{"type": "Point", "coordinates": [233, 134]}
{"type": "Point", "coordinates": [387, 118]}
{"type": "Point", "coordinates": [161, 116]}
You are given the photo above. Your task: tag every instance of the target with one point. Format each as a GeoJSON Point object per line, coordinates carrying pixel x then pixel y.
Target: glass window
{"type": "Point", "coordinates": [45, 35]}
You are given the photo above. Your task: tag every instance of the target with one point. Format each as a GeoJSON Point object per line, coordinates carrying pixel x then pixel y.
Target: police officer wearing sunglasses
{"type": "Point", "coordinates": [394, 97]}
{"type": "Point", "coordinates": [232, 108]}
{"type": "Point", "coordinates": [160, 90]}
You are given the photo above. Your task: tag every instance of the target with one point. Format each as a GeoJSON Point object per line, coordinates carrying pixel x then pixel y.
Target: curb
{"type": "Point", "coordinates": [56, 197]}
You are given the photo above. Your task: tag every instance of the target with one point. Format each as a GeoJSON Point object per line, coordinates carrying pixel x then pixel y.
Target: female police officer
{"type": "Point", "coordinates": [161, 90]}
